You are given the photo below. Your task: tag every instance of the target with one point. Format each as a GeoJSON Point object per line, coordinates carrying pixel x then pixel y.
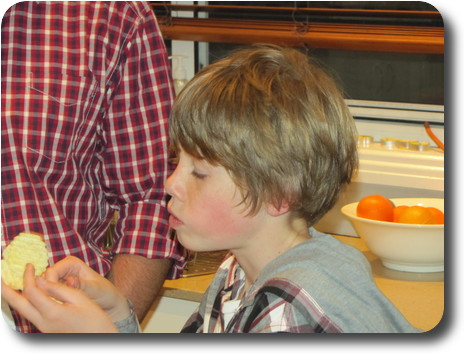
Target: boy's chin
{"type": "Point", "coordinates": [191, 244]}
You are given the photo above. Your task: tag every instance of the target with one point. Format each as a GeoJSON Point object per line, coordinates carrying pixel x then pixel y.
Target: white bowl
{"type": "Point", "coordinates": [403, 247]}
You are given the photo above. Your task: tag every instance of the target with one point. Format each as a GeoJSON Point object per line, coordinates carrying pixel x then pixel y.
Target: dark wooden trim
{"type": "Point", "coordinates": [364, 37]}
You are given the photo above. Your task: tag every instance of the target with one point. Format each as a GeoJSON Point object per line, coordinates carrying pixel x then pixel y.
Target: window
{"type": "Point", "coordinates": [388, 56]}
{"type": "Point", "coordinates": [378, 50]}
{"type": "Point", "coordinates": [397, 26]}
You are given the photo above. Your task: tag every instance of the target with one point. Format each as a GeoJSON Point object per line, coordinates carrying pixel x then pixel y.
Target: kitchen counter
{"type": "Point", "coordinates": [419, 296]}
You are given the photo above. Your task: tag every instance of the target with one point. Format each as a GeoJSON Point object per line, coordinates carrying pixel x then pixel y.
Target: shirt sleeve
{"type": "Point", "coordinates": [129, 324]}
{"type": "Point", "coordinates": [136, 144]}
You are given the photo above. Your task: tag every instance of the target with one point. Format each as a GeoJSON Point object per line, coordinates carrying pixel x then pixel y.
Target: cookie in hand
{"type": "Point", "coordinates": [25, 248]}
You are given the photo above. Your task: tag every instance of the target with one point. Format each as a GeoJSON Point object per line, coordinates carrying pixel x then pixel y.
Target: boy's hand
{"type": "Point", "coordinates": [75, 312]}
{"type": "Point", "coordinates": [76, 274]}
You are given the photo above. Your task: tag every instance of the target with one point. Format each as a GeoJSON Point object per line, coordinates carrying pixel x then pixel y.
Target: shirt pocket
{"type": "Point", "coordinates": [58, 108]}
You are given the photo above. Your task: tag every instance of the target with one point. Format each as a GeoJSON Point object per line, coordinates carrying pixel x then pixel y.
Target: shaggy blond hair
{"type": "Point", "coordinates": [278, 124]}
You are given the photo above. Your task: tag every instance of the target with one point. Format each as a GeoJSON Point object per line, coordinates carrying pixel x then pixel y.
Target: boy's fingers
{"type": "Point", "coordinates": [56, 290]}
{"type": "Point", "coordinates": [69, 267]}
{"type": "Point", "coordinates": [63, 292]}
{"type": "Point", "coordinates": [29, 276]}
{"type": "Point", "coordinates": [61, 270]}
{"type": "Point", "coordinates": [73, 282]}
{"type": "Point", "coordinates": [38, 298]}
{"type": "Point", "coordinates": [19, 303]}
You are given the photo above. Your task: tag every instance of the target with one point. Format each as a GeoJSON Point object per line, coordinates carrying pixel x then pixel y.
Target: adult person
{"type": "Point", "coordinates": [86, 95]}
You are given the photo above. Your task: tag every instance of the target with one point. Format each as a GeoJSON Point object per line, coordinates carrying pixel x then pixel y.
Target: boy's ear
{"type": "Point", "coordinates": [275, 211]}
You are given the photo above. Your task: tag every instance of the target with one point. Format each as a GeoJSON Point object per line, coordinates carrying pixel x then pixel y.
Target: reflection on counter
{"type": "Point", "coordinates": [203, 263]}
{"type": "Point", "coordinates": [379, 270]}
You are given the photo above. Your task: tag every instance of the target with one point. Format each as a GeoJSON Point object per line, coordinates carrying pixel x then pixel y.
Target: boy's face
{"type": "Point", "coordinates": [204, 207]}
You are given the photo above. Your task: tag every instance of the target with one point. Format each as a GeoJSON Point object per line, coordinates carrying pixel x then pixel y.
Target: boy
{"type": "Point", "coordinates": [265, 144]}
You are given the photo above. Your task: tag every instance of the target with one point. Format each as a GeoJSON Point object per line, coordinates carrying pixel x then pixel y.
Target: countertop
{"type": "Point", "coordinates": [419, 296]}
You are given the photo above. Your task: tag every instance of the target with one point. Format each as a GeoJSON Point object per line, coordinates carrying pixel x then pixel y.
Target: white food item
{"type": "Point", "coordinates": [25, 248]}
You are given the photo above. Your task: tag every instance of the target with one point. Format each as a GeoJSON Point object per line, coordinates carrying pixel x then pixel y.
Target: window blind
{"type": "Point", "coordinates": [303, 23]}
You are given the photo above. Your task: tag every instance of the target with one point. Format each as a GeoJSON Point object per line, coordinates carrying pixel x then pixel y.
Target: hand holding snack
{"type": "Point", "coordinates": [61, 298]}
{"type": "Point", "coordinates": [75, 312]}
{"type": "Point", "coordinates": [76, 274]}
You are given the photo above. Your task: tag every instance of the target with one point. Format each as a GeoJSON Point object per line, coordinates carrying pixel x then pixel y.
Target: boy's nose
{"type": "Point", "coordinates": [169, 184]}
{"type": "Point", "coordinates": [172, 185]}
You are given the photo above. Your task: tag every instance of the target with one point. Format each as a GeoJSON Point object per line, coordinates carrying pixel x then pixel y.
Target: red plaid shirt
{"type": "Point", "coordinates": [86, 95]}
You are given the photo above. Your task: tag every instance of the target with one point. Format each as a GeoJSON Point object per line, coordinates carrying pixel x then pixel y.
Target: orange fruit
{"type": "Point", "coordinates": [398, 211]}
{"type": "Point", "coordinates": [416, 215]}
{"type": "Point", "coordinates": [438, 215]}
{"type": "Point", "coordinates": [376, 207]}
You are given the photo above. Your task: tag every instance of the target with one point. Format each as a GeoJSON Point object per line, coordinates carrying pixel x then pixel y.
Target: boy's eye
{"type": "Point", "coordinates": [198, 175]}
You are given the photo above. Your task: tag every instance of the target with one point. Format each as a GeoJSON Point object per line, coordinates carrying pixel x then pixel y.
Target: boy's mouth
{"type": "Point", "coordinates": [174, 222]}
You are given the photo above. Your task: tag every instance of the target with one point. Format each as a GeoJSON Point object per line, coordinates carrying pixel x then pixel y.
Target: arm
{"type": "Point", "coordinates": [139, 279]}
{"type": "Point", "coordinates": [136, 166]}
